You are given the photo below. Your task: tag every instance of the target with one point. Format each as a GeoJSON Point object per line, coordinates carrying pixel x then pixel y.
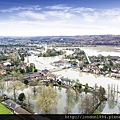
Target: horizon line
{"type": "Point", "coordinates": [55, 35]}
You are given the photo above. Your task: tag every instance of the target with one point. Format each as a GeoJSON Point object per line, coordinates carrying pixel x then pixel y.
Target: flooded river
{"type": "Point", "coordinates": [91, 79]}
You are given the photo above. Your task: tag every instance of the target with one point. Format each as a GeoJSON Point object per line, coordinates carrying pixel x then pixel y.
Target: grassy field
{"type": "Point", "coordinates": [4, 110]}
{"type": "Point", "coordinates": [97, 112]}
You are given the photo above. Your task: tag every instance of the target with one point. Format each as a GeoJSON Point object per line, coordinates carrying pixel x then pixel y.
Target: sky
{"type": "Point", "coordinates": [59, 17]}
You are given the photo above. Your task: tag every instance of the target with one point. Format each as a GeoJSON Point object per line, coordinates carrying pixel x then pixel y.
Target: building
{"type": "Point", "coordinates": [2, 72]}
{"type": "Point", "coordinates": [46, 72]}
{"type": "Point", "coordinates": [16, 108]}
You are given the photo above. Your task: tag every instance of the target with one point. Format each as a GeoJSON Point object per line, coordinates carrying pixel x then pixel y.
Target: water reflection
{"type": "Point", "coordinates": [47, 100]}
{"type": "Point", "coordinates": [102, 106]}
{"type": "Point", "coordinates": [112, 96]}
{"type": "Point", "coordinates": [77, 96]}
{"type": "Point", "coordinates": [60, 89]}
{"type": "Point", "coordinates": [70, 100]}
{"type": "Point", "coordinates": [85, 104]}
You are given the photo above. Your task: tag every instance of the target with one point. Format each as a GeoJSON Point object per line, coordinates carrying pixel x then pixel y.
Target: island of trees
{"type": "Point", "coordinates": [51, 52]}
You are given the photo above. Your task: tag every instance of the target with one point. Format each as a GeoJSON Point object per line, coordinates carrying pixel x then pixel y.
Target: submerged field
{"type": "Point", "coordinates": [105, 48]}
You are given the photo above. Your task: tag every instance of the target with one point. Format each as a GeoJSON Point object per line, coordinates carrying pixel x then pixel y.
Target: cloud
{"type": "Point", "coordinates": [30, 14]}
{"type": "Point", "coordinates": [59, 11]}
{"type": "Point", "coordinates": [58, 14]}
{"type": "Point", "coordinates": [82, 9]}
{"type": "Point", "coordinates": [111, 12]}
{"type": "Point", "coordinates": [90, 17]}
{"type": "Point", "coordinates": [35, 7]}
{"type": "Point", "coordinates": [44, 28]}
{"type": "Point", "coordinates": [60, 20]}
{"type": "Point", "coordinates": [59, 7]}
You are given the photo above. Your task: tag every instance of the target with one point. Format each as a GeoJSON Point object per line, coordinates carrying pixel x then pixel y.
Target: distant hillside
{"type": "Point", "coordinates": [74, 40]}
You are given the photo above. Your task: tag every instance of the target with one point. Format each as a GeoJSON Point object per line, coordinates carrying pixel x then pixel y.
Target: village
{"type": "Point", "coordinates": [16, 66]}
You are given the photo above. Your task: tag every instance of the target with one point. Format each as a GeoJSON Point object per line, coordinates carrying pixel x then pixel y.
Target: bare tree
{"type": "Point", "coordinates": [70, 100]}
{"type": "Point", "coordinates": [34, 90]}
{"type": "Point", "coordinates": [101, 93]}
{"type": "Point", "coordinates": [112, 96]}
{"type": "Point", "coordinates": [47, 99]}
{"type": "Point", "coordinates": [2, 86]}
{"type": "Point", "coordinates": [15, 85]}
{"type": "Point", "coordinates": [85, 105]}
{"type": "Point", "coordinates": [28, 97]}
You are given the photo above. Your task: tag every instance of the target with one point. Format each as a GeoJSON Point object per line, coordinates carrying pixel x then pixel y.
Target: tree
{"type": "Point", "coordinates": [2, 85]}
{"type": "Point", "coordinates": [81, 67]}
{"type": "Point", "coordinates": [20, 76]}
{"type": "Point", "coordinates": [34, 90]}
{"type": "Point", "coordinates": [111, 63]}
{"type": "Point", "coordinates": [59, 82]}
{"type": "Point", "coordinates": [35, 70]}
{"type": "Point", "coordinates": [86, 105]}
{"type": "Point", "coordinates": [15, 85]}
{"type": "Point", "coordinates": [28, 97]}
{"type": "Point", "coordinates": [21, 97]}
{"type": "Point", "coordinates": [70, 100]}
{"type": "Point", "coordinates": [14, 74]}
{"type": "Point", "coordinates": [27, 69]}
{"type": "Point", "coordinates": [101, 93]}
{"type": "Point", "coordinates": [30, 68]}
{"type": "Point", "coordinates": [22, 57]}
{"type": "Point", "coordinates": [112, 102]}
{"type": "Point", "coordinates": [26, 82]}
{"type": "Point", "coordinates": [47, 99]}
{"type": "Point", "coordinates": [109, 68]}
{"type": "Point", "coordinates": [78, 86]}
{"type": "Point", "coordinates": [105, 68]}
{"type": "Point", "coordinates": [22, 70]}
{"type": "Point", "coordinates": [86, 87]}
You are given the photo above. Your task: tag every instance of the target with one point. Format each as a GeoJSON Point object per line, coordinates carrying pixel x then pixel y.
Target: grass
{"type": "Point", "coordinates": [97, 112]}
{"type": "Point", "coordinates": [4, 110]}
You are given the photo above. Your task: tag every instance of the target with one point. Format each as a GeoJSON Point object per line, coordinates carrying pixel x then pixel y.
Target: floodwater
{"type": "Point", "coordinates": [91, 79]}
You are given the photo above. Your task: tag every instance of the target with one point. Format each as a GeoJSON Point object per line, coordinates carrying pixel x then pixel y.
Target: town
{"type": "Point", "coordinates": [30, 65]}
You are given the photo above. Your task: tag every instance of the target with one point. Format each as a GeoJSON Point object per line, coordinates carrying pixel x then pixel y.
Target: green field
{"type": "Point", "coordinates": [97, 112]}
{"type": "Point", "coordinates": [4, 110]}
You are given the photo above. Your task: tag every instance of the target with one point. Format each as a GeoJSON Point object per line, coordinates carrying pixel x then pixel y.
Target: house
{"type": "Point", "coordinates": [115, 75]}
{"type": "Point", "coordinates": [62, 63]}
{"type": "Point", "coordinates": [17, 109]}
{"type": "Point", "coordinates": [62, 80]}
{"type": "Point", "coordinates": [45, 72]}
{"type": "Point", "coordinates": [52, 76]}
{"type": "Point", "coordinates": [32, 76]}
{"type": "Point", "coordinates": [2, 72]}
{"type": "Point", "coordinates": [20, 110]}
{"type": "Point", "coordinates": [93, 68]}
{"type": "Point", "coordinates": [86, 70]}
{"type": "Point", "coordinates": [11, 104]}
{"type": "Point", "coordinates": [6, 63]}
{"type": "Point", "coordinates": [100, 66]}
